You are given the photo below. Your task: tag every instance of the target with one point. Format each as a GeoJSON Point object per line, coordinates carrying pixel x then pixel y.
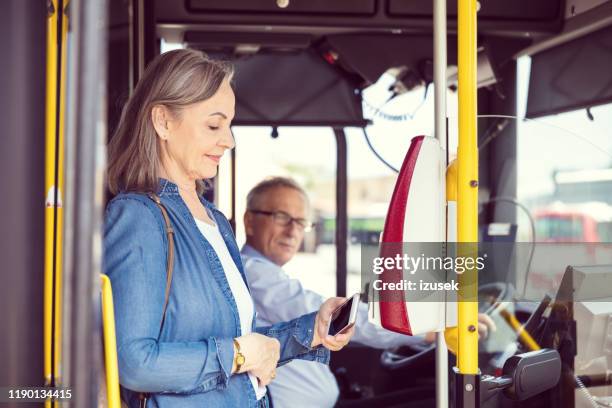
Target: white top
{"type": "Point", "coordinates": [239, 289]}
{"type": "Point", "coordinates": [279, 298]}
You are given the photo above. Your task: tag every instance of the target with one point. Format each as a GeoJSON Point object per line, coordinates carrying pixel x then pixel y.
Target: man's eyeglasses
{"type": "Point", "coordinates": [284, 219]}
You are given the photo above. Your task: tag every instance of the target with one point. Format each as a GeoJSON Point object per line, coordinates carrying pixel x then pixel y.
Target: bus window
{"type": "Point", "coordinates": [564, 165]}
{"type": "Point", "coordinates": [307, 155]}
{"type": "Point", "coordinates": [568, 189]}
{"type": "Point", "coordinates": [564, 180]}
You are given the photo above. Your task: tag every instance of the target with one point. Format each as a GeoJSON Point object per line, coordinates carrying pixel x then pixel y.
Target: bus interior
{"type": "Point", "coordinates": [331, 94]}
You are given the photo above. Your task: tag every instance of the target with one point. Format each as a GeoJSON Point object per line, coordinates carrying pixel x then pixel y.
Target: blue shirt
{"type": "Point", "coordinates": [189, 363]}
{"type": "Point", "coordinates": [278, 297]}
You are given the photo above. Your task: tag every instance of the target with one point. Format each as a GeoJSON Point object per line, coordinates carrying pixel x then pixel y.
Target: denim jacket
{"type": "Point", "coordinates": [189, 363]}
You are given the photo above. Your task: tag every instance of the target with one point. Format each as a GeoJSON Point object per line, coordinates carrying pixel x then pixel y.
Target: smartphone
{"type": "Point", "coordinates": [344, 316]}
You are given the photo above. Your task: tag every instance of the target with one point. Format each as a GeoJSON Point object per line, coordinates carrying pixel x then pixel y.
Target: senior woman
{"type": "Point", "coordinates": [206, 352]}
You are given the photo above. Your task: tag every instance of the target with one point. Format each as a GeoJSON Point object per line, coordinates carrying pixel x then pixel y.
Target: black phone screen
{"type": "Point", "coordinates": [340, 318]}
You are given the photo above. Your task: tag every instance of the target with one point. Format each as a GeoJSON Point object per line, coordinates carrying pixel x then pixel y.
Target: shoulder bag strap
{"type": "Point", "coordinates": [143, 397]}
{"type": "Point", "coordinates": [169, 259]}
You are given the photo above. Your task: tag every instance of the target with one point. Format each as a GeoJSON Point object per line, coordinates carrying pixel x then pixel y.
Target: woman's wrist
{"type": "Point", "coordinates": [234, 365]}
{"type": "Point", "coordinates": [239, 361]}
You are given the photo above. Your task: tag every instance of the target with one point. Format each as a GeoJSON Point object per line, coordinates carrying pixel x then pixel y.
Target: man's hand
{"type": "Point", "coordinates": [333, 343]}
{"type": "Point", "coordinates": [485, 326]}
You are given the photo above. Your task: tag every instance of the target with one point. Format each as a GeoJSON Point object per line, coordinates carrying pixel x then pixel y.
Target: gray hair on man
{"type": "Point", "coordinates": [270, 184]}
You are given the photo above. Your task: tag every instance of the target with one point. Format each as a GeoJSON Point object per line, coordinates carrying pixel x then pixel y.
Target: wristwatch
{"type": "Point", "coordinates": [238, 356]}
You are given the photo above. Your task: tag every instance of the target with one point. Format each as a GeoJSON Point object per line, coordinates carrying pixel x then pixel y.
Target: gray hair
{"type": "Point", "coordinates": [270, 184]}
{"type": "Point", "coordinates": [175, 79]}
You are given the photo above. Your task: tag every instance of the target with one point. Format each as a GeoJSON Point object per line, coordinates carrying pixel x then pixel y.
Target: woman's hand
{"type": "Point", "coordinates": [261, 354]}
{"type": "Point", "coordinates": [333, 343]}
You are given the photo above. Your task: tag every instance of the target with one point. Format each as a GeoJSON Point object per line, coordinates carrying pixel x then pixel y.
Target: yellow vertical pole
{"type": "Point", "coordinates": [50, 205]}
{"type": "Point", "coordinates": [450, 334]}
{"type": "Point", "coordinates": [60, 209]}
{"type": "Point", "coordinates": [57, 31]}
{"type": "Point", "coordinates": [451, 197]}
{"type": "Point", "coordinates": [110, 345]}
{"type": "Point", "coordinates": [467, 187]}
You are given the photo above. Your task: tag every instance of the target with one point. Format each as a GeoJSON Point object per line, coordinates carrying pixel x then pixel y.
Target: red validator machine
{"type": "Point", "coordinates": [416, 216]}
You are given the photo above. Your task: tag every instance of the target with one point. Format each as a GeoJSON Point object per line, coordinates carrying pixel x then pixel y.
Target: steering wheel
{"type": "Point", "coordinates": [492, 293]}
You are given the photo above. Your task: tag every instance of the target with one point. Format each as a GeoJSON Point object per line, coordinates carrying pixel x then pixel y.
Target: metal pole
{"type": "Point", "coordinates": [85, 140]}
{"type": "Point", "coordinates": [440, 71]}
{"type": "Point", "coordinates": [440, 133]}
{"type": "Point", "coordinates": [467, 382]}
{"type": "Point", "coordinates": [341, 211]}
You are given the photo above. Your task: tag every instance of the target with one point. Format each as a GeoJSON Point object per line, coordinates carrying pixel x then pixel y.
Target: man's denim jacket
{"type": "Point", "coordinates": [189, 363]}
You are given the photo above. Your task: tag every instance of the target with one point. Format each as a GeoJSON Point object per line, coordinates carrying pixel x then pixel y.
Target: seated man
{"type": "Point", "coordinates": [275, 221]}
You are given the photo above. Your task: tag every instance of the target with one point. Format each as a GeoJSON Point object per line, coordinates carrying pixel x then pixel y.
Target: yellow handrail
{"type": "Point", "coordinates": [467, 188]}
{"type": "Point", "coordinates": [54, 185]}
{"type": "Point", "coordinates": [450, 334]}
{"type": "Point", "coordinates": [523, 334]}
{"type": "Point", "coordinates": [110, 345]}
{"type": "Point", "coordinates": [50, 112]}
